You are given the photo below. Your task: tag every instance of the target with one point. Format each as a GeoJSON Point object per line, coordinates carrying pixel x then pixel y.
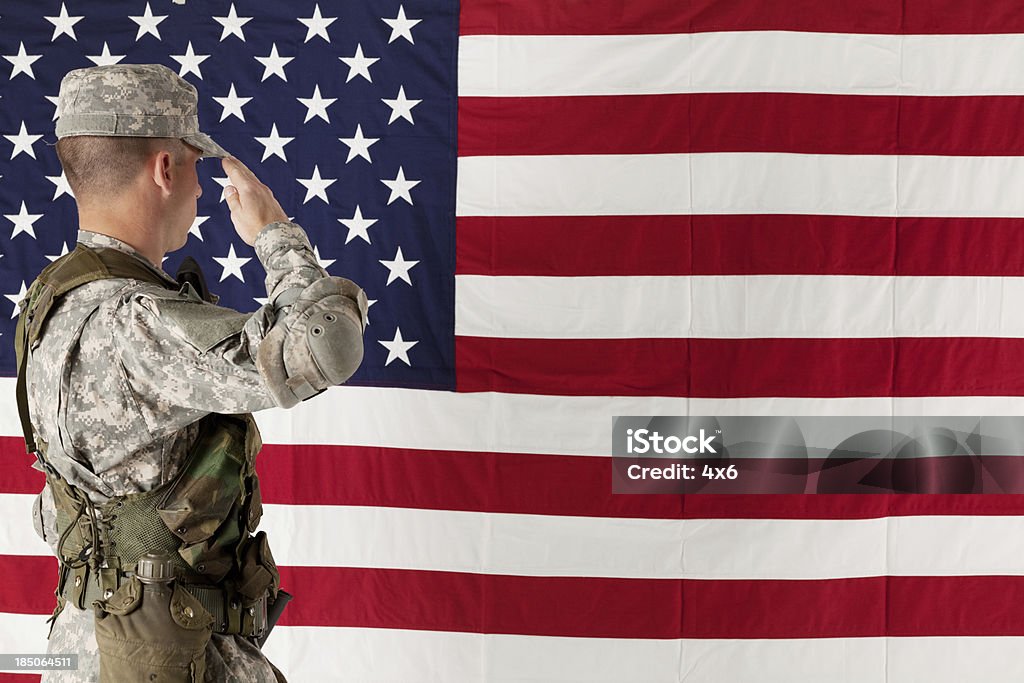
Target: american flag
{"type": "Point", "coordinates": [567, 211]}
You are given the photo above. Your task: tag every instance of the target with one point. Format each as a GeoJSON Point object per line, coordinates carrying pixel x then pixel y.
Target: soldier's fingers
{"type": "Point", "coordinates": [231, 197]}
{"type": "Point", "coordinates": [245, 170]}
{"type": "Point", "coordinates": [239, 175]}
{"type": "Point", "coordinates": [232, 171]}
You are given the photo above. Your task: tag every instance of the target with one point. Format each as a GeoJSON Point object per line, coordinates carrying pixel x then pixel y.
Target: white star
{"type": "Point", "coordinates": [223, 182]}
{"type": "Point", "coordinates": [190, 61]}
{"type": "Point", "coordinates": [316, 105]}
{"type": "Point", "coordinates": [15, 298]}
{"type": "Point", "coordinates": [359, 64]}
{"type": "Point", "coordinates": [273, 64]}
{"type": "Point", "coordinates": [358, 145]}
{"type": "Point", "coordinates": [398, 268]}
{"type": "Point", "coordinates": [22, 62]}
{"type": "Point", "coordinates": [261, 300]}
{"type": "Point", "coordinates": [23, 142]}
{"type": "Point", "coordinates": [316, 186]}
{"type": "Point", "coordinates": [273, 144]}
{"type": "Point", "coordinates": [324, 263]}
{"type": "Point", "coordinates": [64, 24]}
{"type": "Point", "coordinates": [369, 303]}
{"type": "Point", "coordinates": [23, 221]}
{"type": "Point", "coordinates": [61, 181]}
{"type": "Point", "coordinates": [148, 24]}
{"type": "Point", "coordinates": [401, 106]}
{"type": "Point", "coordinates": [63, 252]}
{"type": "Point", "coordinates": [55, 101]}
{"type": "Point", "coordinates": [194, 228]}
{"type": "Point", "coordinates": [231, 264]}
{"type": "Point", "coordinates": [400, 26]}
{"type": "Point", "coordinates": [232, 104]}
{"type": "Point", "coordinates": [105, 58]}
{"type": "Point", "coordinates": [357, 226]}
{"type": "Point", "coordinates": [398, 348]}
{"type": "Point", "coordinates": [316, 25]}
{"type": "Point", "coordinates": [232, 24]}
{"type": "Point", "coordinates": [400, 186]}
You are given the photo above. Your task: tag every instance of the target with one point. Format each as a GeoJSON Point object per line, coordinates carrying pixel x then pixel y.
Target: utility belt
{"type": "Point", "coordinates": [233, 614]}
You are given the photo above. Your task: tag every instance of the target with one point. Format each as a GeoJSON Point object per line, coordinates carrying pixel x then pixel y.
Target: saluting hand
{"type": "Point", "coordinates": [252, 204]}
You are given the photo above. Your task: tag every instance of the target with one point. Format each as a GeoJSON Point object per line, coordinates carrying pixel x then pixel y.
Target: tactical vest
{"type": "Point", "coordinates": [203, 517]}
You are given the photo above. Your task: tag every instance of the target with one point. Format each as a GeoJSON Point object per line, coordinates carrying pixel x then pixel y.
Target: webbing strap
{"type": "Point", "coordinates": [230, 614]}
{"type": "Point", "coordinates": [77, 268]}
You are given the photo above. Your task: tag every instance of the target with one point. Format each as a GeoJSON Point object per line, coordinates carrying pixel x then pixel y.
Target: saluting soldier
{"type": "Point", "coordinates": [135, 390]}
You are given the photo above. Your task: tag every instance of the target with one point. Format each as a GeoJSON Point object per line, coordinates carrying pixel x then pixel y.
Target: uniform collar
{"type": "Point", "coordinates": [98, 240]}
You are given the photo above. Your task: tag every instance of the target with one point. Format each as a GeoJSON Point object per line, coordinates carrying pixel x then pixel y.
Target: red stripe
{"type": "Point", "coordinates": [526, 17]}
{"type": "Point", "coordinates": [658, 608]}
{"type": "Point", "coordinates": [741, 122]}
{"type": "Point", "coordinates": [573, 245]}
{"type": "Point", "coordinates": [16, 473]}
{"type": "Point", "coordinates": [618, 608]}
{"type": "Point", "coordinates": [608, 367]}
{"type": "Point", "coordinates": [733, 368]}
{"type": "Point", "coordinates": [770, 244]}
{"type": "Point", "coordinates": [529, 483]}
{"type": "Point", "coordinates": [28, 585]}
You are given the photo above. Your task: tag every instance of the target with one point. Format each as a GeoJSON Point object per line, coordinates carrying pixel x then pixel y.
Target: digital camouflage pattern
{"type": "Point", "coordinates": [116, 388]}
{"type": "Point", "coordinates": [133, 100]}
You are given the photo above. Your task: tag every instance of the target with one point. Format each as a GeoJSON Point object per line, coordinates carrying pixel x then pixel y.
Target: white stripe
{"type": "Point", "coordinates": [305, 653]}
{"type": "Point", "coordinates": [566, 308]}
{"type": "Point", "coordinates": [345, 654]}
{"type": "Point", "coordinates": [739, 183]}
{"type": "Point", "coordinates": [23, 633]}
{"type": "Point", "coordinates": [524, 423]}
{"type": "Point", "coordinates": [17, 536]}
{"type": "Point", "coordinates": [543, 545]}
{"type": "Point", "coordinates": [552, 545]}
{"type": "Point", "coordinates": [742, 306]}
{"type": "Point", "coordinates": [743, 61]}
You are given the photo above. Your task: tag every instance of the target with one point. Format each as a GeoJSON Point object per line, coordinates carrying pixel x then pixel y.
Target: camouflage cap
{"type": "Point", "coordinates": [133, 100]}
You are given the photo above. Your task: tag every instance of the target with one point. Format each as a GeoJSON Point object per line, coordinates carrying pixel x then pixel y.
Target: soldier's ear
{"type": "Point", "coordinates": [160, 170]}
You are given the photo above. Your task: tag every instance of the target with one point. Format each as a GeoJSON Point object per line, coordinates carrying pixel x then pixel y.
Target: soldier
{"type": "Point", "coordinates": [135, 387]}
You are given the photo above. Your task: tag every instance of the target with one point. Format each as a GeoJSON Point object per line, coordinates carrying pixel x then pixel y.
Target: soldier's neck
{"type": "Point", "coordinates": [126, 225]}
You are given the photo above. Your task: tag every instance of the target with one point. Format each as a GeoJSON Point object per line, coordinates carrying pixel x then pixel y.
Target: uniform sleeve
{"type": "Point", "coordinates": [182, 357]}
{"type": "Point", "coordinates": [44, 518]}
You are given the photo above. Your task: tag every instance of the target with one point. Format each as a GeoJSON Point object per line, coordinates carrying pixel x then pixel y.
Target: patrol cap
{"type": "Point", "coordinates": [133, 100]}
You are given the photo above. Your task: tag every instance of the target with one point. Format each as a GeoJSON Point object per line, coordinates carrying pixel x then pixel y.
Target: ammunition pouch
{"type": "Point", "coordinates": [152, 632]}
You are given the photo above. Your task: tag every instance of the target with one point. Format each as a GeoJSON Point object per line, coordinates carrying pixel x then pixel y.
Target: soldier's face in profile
{"type": "Point", "coordinates": [187, 192]}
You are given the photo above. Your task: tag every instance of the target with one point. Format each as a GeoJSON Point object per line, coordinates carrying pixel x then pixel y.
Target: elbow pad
{"type": "Point", "coordinates": [321, 347]}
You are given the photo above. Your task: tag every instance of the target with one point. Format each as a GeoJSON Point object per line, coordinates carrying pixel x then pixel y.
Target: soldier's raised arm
{"type": "Point", "coordinates": [318, 342]}
{"type": "Point", "coordinates": [184, 356]}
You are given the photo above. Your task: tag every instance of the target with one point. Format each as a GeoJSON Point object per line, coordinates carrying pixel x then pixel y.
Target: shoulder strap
{"type": "Point", "coordinates": [77, 268]}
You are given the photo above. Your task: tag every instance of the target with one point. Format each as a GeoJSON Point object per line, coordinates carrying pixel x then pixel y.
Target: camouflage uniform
{"type": "Point", "coordinates": [125, 369]}
{"type": "Point", "coordinates": [116, 390]}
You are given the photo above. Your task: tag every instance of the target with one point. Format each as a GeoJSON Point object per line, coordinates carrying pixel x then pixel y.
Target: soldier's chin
{"type": "Point", "coordinates": [181, 242]}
